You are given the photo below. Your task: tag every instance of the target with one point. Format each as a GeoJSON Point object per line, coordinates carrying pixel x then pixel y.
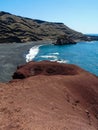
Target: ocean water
{"type": "Point", "coordinates": [83, 54]}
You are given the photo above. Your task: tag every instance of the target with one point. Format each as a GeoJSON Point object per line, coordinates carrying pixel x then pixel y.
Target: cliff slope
{"type": "Point", "coordinates": [20, 29]}
{"type": "Point", "coordinates": [49, 96]}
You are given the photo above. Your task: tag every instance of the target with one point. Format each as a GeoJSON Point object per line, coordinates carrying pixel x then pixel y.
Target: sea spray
{"type": "Point", "coordinates": [32, 53]}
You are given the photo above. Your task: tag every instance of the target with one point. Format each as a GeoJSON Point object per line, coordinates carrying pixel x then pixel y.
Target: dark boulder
{"type": "Point", "coordinates": [63, 40]}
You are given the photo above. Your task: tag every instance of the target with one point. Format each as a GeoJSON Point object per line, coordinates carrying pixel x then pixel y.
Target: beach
{"type": "Point", "coordinates": [13, 55]}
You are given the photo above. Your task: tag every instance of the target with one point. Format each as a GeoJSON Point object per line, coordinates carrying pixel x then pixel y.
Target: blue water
{"type": "Point", "coordinates": [84, 54]}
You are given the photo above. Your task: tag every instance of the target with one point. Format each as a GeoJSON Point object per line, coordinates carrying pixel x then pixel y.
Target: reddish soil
{"type": "Point", "coordinates": [49, 96]}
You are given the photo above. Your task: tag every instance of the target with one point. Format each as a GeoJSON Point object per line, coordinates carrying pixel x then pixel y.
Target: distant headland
{"type": "Point", "coordinates": [17, 29]}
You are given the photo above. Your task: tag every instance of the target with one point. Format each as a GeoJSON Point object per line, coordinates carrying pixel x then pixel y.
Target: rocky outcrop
{"type": "Point", "coordinates": [45, 96]}
{"type": "Point", "coordinates": [63, 40]}
{"type": "Point", "coordinates": [45, 68]}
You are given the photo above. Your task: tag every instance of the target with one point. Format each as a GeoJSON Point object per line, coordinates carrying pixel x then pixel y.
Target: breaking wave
{"type": "Point", "coordinates": [32, 53]}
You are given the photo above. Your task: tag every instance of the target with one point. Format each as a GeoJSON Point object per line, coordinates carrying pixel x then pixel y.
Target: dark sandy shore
{"type": "Point", "coordinates": [12, 55]}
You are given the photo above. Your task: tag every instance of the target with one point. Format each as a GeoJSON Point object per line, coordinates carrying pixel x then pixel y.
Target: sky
{"type": "Point", "coordinates": [80, 15]}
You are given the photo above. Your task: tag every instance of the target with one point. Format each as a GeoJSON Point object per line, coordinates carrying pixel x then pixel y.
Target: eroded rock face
{"type": "Point", "coordinates": [49, 96]}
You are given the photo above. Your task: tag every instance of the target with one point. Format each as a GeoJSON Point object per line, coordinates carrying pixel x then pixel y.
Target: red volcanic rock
{"type": "Point", "coordinates": [51, 96]}
{"type": "Point", "coordinates": [45, 68]}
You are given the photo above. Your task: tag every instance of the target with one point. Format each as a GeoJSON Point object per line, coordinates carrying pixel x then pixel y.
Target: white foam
{"type": "Point", "coordinates": [59, 61]}
{"type": "Point", "coordinates": [49, 56]}
{"type": "Point", "coordinates": [32, 53]}
{"type": "Point", "coordinates": [55, 53]}
{"type": "Point", "coordinates": [53, 60]}
{"type": "Point", "coordinates": [62, 61]}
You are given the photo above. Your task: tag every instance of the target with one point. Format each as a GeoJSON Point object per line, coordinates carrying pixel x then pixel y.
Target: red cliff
{"type": "Point", "coordinates": [49, 96]}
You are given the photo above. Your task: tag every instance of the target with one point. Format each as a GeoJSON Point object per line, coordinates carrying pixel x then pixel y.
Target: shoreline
{"type": "Point", "coordinates": [13, 55]}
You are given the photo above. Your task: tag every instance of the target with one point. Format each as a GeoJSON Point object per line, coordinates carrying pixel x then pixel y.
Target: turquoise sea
{"type": "Point", "coordinates": [83, 54]}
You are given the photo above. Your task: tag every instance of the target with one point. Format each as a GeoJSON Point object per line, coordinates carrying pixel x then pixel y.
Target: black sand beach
{"type": "Point", "coordinates": [12, 55]}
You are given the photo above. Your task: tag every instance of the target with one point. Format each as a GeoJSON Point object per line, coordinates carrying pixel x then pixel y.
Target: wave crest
{"type": "Point", "coordinates": [32, 53]}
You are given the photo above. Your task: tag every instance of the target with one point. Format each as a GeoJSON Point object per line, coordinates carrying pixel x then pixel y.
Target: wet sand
{"type": "Point", "coordinates": [12, 55]}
